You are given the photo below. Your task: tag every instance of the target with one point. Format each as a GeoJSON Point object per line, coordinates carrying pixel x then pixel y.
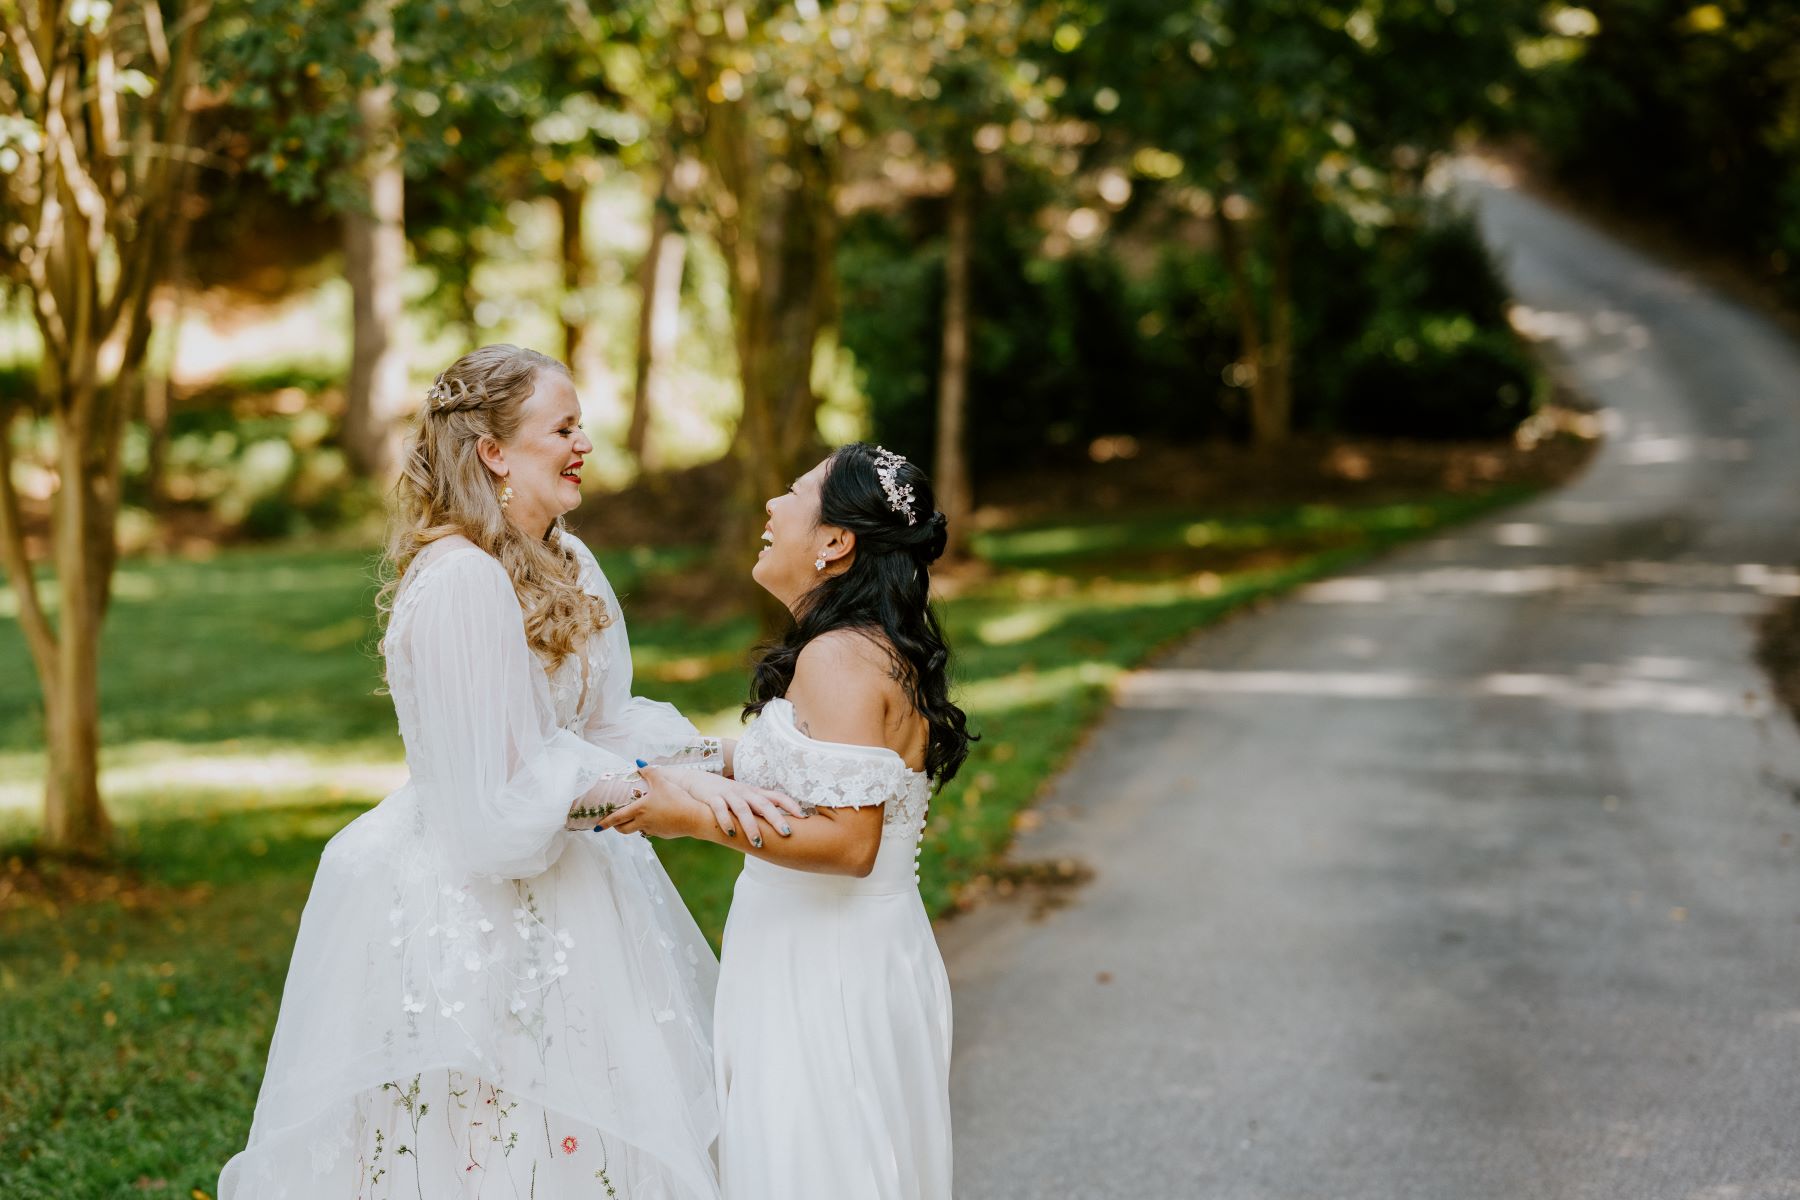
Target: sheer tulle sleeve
{"type": "Point", "coordinates": [497, 777]}
{"type": "Point", "coordinates": [632, 726]}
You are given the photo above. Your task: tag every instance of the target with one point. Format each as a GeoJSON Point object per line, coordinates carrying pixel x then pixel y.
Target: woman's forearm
{"type": "Point", "coordinates": [833, 841]}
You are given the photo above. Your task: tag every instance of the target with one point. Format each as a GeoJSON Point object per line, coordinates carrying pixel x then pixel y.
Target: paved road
{"type": "Point", "coordinates": [1475, 876]}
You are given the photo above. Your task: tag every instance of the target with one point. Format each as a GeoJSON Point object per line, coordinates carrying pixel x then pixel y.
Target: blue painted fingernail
{"type": "Point", "coordinates": [596, 829]}
{"type": "Point", "coordinates": [642, 763]}
{"type": "Point", "coordinates": [757, 842]}
{"type": "Point", "coordinates": [786, 832]}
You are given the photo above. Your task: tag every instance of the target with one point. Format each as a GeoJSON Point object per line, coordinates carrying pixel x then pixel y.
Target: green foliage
{"type": "Point", "coordinates": [831, 73]}
{"type": "Point", "coordinates": [1279, 116]}
{"type": "Point", "coordinates": [18, 385]}
{"type": "Point", "coordinates": [1051, 340]}
{"type": "Point", "coordinates": [1247, 94]}
{"type": "Point", "coordinates": [493, 101]}
{"type": "Point", "coordinates": [296, 72]}
{"type": "Point", "coordinates": [891, 290]}
{"type": "Point", "coordinates": [256, 453]}
{"type": "Point", "coordinates": [1438, 378]}
{"type": "Point", "coordinates": [1062, 350]}
{"type": "Point", "coordinates": [1410, 334]}
{"type": "Point", "coordinates": [1688, 113]}
{"type": "Point", "coordinates": [1405, 328]}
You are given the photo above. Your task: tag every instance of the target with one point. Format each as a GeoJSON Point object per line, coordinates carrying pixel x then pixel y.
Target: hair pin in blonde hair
{"type": "Point", "coordinates": [449, 395]}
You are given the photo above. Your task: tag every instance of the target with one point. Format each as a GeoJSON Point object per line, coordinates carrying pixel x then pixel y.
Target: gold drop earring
{"type": "Point", "coordinates": [505, 497]}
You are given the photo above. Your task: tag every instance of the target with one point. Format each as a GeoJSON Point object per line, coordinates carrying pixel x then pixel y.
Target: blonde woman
{"type": "Point", "coordinates": [487, 996]}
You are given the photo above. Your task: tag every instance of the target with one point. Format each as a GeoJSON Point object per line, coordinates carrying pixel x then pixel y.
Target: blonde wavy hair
{"type": "Point", "coordinates": [444, 489]}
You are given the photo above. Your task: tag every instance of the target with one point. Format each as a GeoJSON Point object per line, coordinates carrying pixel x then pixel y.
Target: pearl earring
{"type": "Point", "coordinates": [505, 497]}
{"type": "Point", "coordinates": [818, 564]}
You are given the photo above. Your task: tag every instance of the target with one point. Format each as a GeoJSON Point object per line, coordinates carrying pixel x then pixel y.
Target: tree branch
{"type": "Point", "coordinates": [105, 99]}
{"type": "Point", "coordinates": [29, 62]}
{"type": "Point", "coordinates": [86, 191]}
{"type": "Point", "coordinates": [39, 636]}
{"type": "Point", "coordinates": [51, 323]}
{"type": "Point", "coordinates": [156, 37]}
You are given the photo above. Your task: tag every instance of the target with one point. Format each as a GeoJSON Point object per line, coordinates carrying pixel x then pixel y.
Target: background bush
{"type": "Point", "coordinates": [1687, 114]}
{"type": "Point", "coordinates": [1403, 333]}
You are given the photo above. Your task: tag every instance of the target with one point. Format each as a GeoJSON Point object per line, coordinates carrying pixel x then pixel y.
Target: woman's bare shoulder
{"type": "Point", "coordinates": [844, 685]}
{"type": "Point", "coordinates": [847, 653]}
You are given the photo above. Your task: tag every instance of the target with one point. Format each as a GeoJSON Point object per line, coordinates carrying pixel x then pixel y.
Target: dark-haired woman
{"type": "Point", "coordinates": [832, 1028]}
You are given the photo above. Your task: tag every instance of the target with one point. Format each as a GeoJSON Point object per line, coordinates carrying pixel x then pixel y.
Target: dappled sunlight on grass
{"type": "Point", "coordinates": [270, 775]}
{"type": "Point", "coordinates": [276, 645]}
{"type": "Point", "coordinates": [149, 780]}
{"type": "Point", "coordinates": [1046, 545]}
{"type": "Point", "coordinates": [1023, 688]}
{"type": "Point", "coordinates": [217, 835]}
{"type": "Point", "coordinates": [1028, 622]}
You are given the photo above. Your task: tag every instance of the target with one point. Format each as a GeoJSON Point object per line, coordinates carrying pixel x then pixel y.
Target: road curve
{"type": "Point", "coordinates": [1472, 876]}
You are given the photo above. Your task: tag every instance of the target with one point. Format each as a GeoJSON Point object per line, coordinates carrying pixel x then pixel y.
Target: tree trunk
{"type": "Point", "coordinates": [777, 322]}
{"type": "Point", "coordinates": [951, 479]}
{"type": "Point", "coordinates": [1276, 415]}
{"type": "Point", "coordinates": [571, 197]}
{"type": "Point", "coordinates": [659, 316]}
{"type": "Point", "coordinates": [1252, 347]}
{"type": "Point", "coordinates": [375, 265]}
{"type": "Point", "coordinates": [89, 415]}
{"type": "Point", "coordinates": [75, 822]}
{"type": "Point", "coordinates": [778, 233]}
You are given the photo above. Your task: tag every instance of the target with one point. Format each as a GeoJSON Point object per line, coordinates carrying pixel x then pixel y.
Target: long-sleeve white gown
{"type": "Point", "coordinates": [480, 1002]}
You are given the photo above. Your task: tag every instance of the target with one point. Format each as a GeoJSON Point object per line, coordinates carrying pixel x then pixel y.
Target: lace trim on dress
{"type": "Point", "coordinates": [703, 754]}
{"type": "Point", "coordinates": [773, 754]}
{"type": "Point", "coordinates": [615, 790]}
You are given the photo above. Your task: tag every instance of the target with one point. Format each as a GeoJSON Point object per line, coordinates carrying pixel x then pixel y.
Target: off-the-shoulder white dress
{"type": "Point", "coordinates": [481, 1003]}
{"type": "Point", "coordinates": [833, 1032]}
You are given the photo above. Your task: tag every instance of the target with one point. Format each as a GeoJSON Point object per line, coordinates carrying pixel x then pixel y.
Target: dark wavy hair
{"type": "Point", "coordinates": [885, 594]}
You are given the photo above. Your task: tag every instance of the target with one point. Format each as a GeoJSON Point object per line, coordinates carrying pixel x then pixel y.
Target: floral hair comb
{"type": "Point", "coordinates": [900, 499]}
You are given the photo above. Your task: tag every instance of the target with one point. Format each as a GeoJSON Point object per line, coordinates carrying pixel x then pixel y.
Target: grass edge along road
{"type": "Point", "coordinates": [136, 1005]}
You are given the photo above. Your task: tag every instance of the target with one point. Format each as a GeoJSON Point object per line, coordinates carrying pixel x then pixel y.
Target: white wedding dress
{"type": "Point", "coordinates": [833, 1032]}
{"type": "Point", "coordinates": [482, 1003]}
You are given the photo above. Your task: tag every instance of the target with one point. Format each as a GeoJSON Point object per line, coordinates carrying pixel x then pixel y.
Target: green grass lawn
{"type": "Point", "coordinates": [136, 1005]}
